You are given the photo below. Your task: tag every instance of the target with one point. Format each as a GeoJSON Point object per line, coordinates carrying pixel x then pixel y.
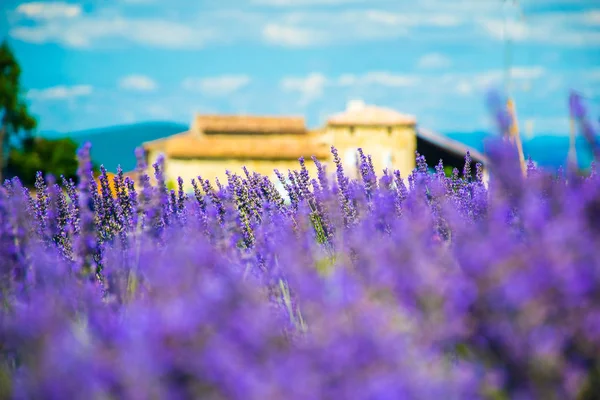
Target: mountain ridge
{"type": "Point", "coordinates": [127, 136]}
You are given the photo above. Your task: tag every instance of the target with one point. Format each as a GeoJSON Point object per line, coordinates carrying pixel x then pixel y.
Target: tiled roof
{"type": "Point", "coordinates": [451, 145]}
{"type": "Point", "coordinates": [359, 113]}
{"type": "Point", "coordinates": [160, 143]}
{"type": "Point", "coordinates": [249, 124]}
{"type": "Point", "coordinates": [189, 145]}
{"type": "Point", "coordinates": [292, 140]}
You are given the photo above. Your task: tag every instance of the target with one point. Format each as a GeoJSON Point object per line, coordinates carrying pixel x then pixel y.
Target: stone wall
{"type": "Point", "coordinates": [390, 147]}
{"type": "Point", "coordinates": [211, 169]}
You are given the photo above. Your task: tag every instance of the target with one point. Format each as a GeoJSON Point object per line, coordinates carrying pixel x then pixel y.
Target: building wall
{"type": "Point", "coordinates": [392, 147]}
{"type": "Point", "coordinates": [211, 169]}
{"type": "Point", "coordinates": [389, 147]}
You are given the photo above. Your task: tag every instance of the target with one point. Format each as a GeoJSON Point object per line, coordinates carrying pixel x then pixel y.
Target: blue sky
{"type": "Point", "coordinates": [91, 63]}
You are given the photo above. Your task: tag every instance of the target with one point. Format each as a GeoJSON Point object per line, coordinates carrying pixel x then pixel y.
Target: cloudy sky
{"type": "Point", "coordinates": [97, 63]}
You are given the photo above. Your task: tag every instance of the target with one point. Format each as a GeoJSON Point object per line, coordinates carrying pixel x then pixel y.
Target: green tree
{"type": "Point", "coordinates": [16, 124]}
{"type": "Point", "coordinates": [57, 157]}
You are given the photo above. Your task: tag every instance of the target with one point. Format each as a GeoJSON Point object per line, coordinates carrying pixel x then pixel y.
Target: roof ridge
{"type": "Point", "coordinates": [371, 114]}
{"type": "Point", "coordinates": [251, 116]}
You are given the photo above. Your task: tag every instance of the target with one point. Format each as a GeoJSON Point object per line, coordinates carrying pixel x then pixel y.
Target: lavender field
{"type": "Point", "coordinates": [420, 281]}
{"type": "Point", "coordinates": [356, 289]}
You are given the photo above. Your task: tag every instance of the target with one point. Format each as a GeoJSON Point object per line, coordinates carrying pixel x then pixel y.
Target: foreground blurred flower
{"type": "Point", "coordinates": [358, 289]}
{"type": "Point", "coordinates": [579, 114]}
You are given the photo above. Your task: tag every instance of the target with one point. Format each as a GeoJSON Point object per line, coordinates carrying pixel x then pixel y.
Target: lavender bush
{"type": "Point", "coordinates": [368, 288]}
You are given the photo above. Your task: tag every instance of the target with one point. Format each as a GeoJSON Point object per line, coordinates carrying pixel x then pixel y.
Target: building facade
{"type": "Point", "coordinates": [215, 144]}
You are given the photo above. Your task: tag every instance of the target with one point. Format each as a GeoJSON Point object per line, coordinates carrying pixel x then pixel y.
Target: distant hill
{"type": "Point", "coordinates": [116, 145]}
{"type": "Point", "coordinates": [549, 151]}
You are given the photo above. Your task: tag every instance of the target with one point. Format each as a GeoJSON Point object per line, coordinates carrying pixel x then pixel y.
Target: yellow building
{"type": "Point", "coordinates": [216, 143]}
{"type": "Point", "coordinates": [388, 136]}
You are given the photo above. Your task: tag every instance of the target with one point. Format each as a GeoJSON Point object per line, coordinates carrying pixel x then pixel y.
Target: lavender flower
{"type": "Point", "coordinates": [579, 113]}
{"type": "Point", "coordinates": [361, 288]}
{"type": "Point", "coordinates": [86, 245]}
{"type": "Point", "coordinates": [497, 105]}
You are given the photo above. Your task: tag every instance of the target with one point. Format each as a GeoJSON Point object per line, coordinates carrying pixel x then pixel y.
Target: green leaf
{"type": "Point", "coordinates": [14, 115]}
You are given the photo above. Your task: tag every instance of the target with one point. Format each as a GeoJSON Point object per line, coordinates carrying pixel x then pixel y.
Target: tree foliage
{"type": "Point", "coordinates": [16, 124]}
{"type": "Point", "coordinates": [57, 157]}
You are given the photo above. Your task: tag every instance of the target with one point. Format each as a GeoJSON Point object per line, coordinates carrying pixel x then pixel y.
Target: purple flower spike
{"type": "Point", "coordinates": [383, 286]}
{"type": "Point", "coordinates": [576, 106]}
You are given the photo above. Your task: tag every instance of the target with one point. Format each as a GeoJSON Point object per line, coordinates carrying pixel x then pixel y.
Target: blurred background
{"type": "Point", "coordinates": [122, 72]}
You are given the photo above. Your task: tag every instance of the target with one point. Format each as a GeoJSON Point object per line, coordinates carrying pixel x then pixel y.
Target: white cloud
{"type": "Point", "coordinates": [294, 28]}
{"type": "Point", "coordinates": [531, 72]}
{"type": "Point", "coordinates": [310, 87]}
{"type": "Point", "coordinates": [347, 80]}
{"type": "Point", "coordinates": [464, 88]}
{"type": "Point", "coordinates": [290, 36]}
{"type": "Point", "coordinates": [60, 92]}
{"type": "Point", "coordinates": [501, 30]}
{"type": "Point", "coordinates": [558, 29]}
{"type": "Point", "coordinates": [48, 10]}
{"type": "Point", "coordinates": [83, 31]}
{"type": "Point", "coordinates": [444, 20]}
{"type": "Point", "coordinates": [304, 26]}
{"type": "Point", "coordinates": [317, 28]}
{"type": "Point", "coordinates": [411, 18]}
{"type": "Point", "coordinates": [296, 3]}
{"type": "Point", "coordinates": [434, 61]}
{"type": "Point", "coordinates": [384, 17]}
{"type": "Point", "coordinates": [458, 7]}
{"type": "Point", "coordinates": [223, 85]}
{"type": "Point", "coordinates": [382, 78]}
{"type": "Point", "coordinates": [521, 79]}
{"type": "Point", "coordinates": [455, 20]}
{"type": "Point", "coordinates": [592, 18]}
{"type": "Point", "coordinates": [140, 83]}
